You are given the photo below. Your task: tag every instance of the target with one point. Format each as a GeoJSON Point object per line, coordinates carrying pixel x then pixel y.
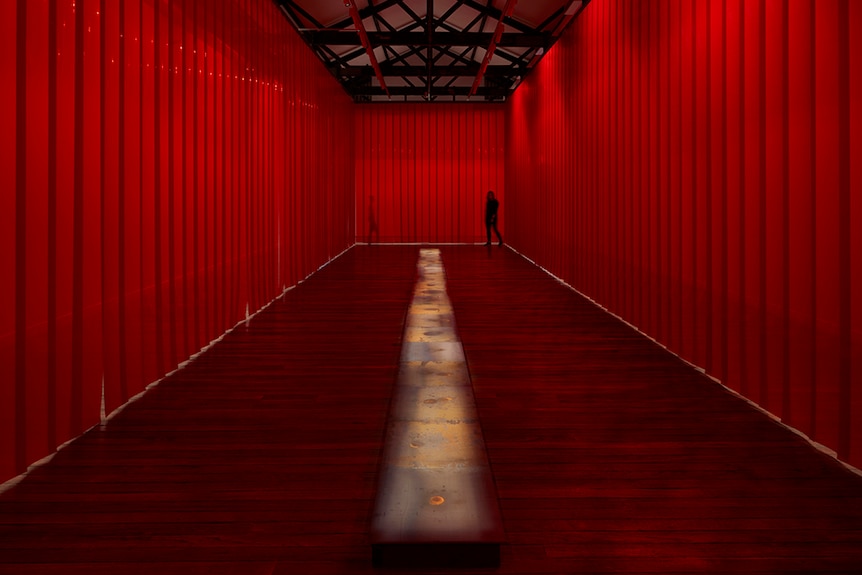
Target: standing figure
{"type": "Point", "coordinates": [491, 207]}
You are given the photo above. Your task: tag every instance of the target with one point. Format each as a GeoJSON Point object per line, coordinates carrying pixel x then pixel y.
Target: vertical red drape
{"type": "Point", "coordinates": [9, 236]}
{"type": "Point", "coordinates": [170, 167]}
{"type": "Point", "coordinates": [691, 165]}
{"type": "Point", "coordinates": [423, 171]}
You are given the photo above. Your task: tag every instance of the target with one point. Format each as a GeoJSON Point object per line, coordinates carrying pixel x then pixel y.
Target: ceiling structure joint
{"type": "Point", "coordinates": [437, 50]}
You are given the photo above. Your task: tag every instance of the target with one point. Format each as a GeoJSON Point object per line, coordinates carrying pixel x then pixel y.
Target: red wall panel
{"type": "Point", "coordinates": [34, 228]}
{"type": "Point", "coordinates": [775, 232]}
{"type": "Point", "coordinates": [696, 175]}
{"type": "Point", "coordinates": [423, 171]}
{"type": "Point", "coordinates": [854, 214]}
{"type": "Point", "coordinates": [110, 202]}
{"type": "Point", "coordinates": [827, 239]}
{"type": "Point", "coordinates": [173, 169]}
{"type": "Point", "coordinates": [801, 217]}
{"type": "Point", "coordinates": [9, 420]}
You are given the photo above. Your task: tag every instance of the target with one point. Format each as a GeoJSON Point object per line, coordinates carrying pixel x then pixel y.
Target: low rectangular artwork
{"type": "Point", "coordinates": [436, 502]}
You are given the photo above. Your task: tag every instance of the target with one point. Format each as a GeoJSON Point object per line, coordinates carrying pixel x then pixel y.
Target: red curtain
{"type": "Point", "coordinates": [9, 199]}
{"type": "Point", "coordinates": [691, 166]}
{"type": "Point", "coordinates": [423, 171]}
{"type": "Point", "coordinates": [170, 166]}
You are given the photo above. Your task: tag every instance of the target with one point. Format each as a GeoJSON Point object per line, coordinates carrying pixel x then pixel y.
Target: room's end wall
{"type": "Point", "coordinates": [423, 171]}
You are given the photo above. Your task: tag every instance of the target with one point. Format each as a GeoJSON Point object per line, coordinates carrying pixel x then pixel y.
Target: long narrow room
{"type": "Point", "coordinates": [213, 225]}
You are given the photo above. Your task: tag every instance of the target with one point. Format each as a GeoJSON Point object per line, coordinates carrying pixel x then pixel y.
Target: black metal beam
{"type": "Point", "coordinates": [484, 17]}
{"type": "Point", "coordinates": [403, 56]}
{"type": "Point", "coordinates": [293, 7]}
{"type": "Point", "coordinates": [351, 38]}
{"type": "Point", "coordinates": [370, 10]}
{"type": "Point", "coordinates": [429, 31]}
{"type": "Point", "coordinates": [552, 18]}
{"type": "Point", "coordinates": [516, 60]}
{"type": "Point", "coordinates": [496, 14]}
{"type": "Point", "coordinates": [378, 21]}
{"type": "Point", "coordinates": [395, 91]}
{"type": "Point", "coordinates": [445, 50]}
{"type": "Point", "coordinates": [417, 20]}
{"type": "Point", "coordinates": [415, 53]}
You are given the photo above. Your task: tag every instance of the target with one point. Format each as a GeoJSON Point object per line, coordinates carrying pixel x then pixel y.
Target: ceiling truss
{"type": "Point", "coordinates": [444, 51]}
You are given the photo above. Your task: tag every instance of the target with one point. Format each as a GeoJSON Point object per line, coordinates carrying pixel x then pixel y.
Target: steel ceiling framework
{"type": "Point", "coordinates": [390, 51]}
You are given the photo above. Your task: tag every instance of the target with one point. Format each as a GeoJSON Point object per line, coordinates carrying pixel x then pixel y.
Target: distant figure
{"type": "Point", "coordinates": [491, 207]}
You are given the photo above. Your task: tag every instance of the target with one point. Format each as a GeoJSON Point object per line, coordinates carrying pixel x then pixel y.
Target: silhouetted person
{"type": "Point", "coordinates": [491, 207]}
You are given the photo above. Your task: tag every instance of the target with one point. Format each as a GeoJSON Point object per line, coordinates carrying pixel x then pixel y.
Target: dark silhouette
{"type": "Point", "coordinates": [491, 207]}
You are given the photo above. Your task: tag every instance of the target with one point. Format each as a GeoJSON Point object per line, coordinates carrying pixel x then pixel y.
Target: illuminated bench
{"type": "Point", "coordinates": [436, 503]}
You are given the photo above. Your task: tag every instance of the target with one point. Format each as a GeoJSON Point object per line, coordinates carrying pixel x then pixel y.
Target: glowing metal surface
{"type": "Point", "coordinates": [434, 451]}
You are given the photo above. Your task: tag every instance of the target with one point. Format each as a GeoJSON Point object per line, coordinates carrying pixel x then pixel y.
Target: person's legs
{"type": "Point", "coordinates": [496, 231]}
{"type": "Point", "coordinates": [488, 230]}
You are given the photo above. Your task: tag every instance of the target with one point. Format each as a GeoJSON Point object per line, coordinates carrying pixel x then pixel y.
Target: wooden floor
{"type": "Point", "coordinates": [609, 454]}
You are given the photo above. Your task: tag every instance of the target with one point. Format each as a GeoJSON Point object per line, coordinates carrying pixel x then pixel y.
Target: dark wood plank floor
{"type": "Point", "coordinates": [609, 454]}
{"type": "Point", "coordinates": [613, 456]}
